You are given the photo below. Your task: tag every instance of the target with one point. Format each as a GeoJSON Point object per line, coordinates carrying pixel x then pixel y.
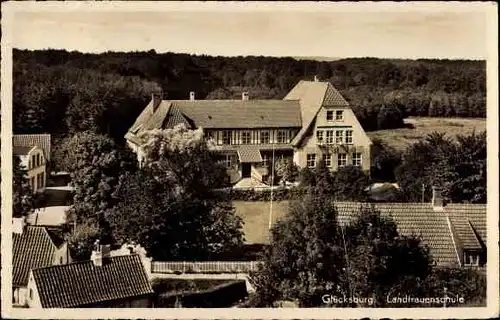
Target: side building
{"type": "Point", "coordinates": [312, 122]}
{"type": "Point", "coordinates": [34, 153]}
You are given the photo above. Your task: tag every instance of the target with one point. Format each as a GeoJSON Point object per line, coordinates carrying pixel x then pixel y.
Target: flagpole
{"type": "Point", "coordinates": [272, 188]}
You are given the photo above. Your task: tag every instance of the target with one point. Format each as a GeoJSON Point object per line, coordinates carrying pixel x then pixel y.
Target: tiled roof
{"type": "Point", "coordinates": [413, 219]}
{"type": "Point", "coordinates": [21, 151]}
{"type": "Point", "coordinates": [82, 283]}
{"type": "Point", "coordinates": [30, 140]}
{"type": "Point", "coordinates": [312, 96]}
{"type": "Point", "coordinates": [175, 117]}
{"type": "Point", "coordinates": [241, 114]}
{"type": "Point", "coordinates": [33, 248]}
{"type": "Point", "coordinates": [249, 154]}
{"type": "Point", "coordinates": [261, 147]}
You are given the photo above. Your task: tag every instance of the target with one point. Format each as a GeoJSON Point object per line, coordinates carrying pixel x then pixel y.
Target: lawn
{"type": "Point", "coordinates": [255, 214]}
{"type": "Point", "coordinates": [401, 138]}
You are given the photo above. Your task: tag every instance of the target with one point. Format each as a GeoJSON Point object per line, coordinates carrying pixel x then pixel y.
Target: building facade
{"type": "Point", "coordinates": [312, 122]}
{"type": "Point", "coordinates": [34, 153]}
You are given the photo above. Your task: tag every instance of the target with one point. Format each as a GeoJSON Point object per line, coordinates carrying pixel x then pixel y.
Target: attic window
{"type": "Point", "coordinates": [329, 115]}
{"type": "Point", "coordinates": [339, 115]}
{"type": "Point", "coordinates": [471, 258]}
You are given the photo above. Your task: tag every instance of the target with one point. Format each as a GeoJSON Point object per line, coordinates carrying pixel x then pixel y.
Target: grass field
{"type": "Point", "coordinates": [255, 214]}
{"type": "Point", "coordinates": [401, 138]}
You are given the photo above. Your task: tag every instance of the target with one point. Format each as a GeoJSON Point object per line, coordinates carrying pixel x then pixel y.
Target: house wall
{"type": "Point", "coordinates": [62, 256]}
{"type": "Point", "coordinates": [34, 170]}
{"type": "Point", "coordinates": [32, 296]}
{"type": "Point", "coordinates": [19, 295]}
{"type": "Point", "coordinates": [361, 142]}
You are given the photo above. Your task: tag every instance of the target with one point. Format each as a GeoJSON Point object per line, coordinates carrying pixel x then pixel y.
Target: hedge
{"type": "Point", "coordinates": [279, 194]}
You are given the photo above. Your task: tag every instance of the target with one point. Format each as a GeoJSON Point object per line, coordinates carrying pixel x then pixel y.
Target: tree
{"type": "Point", "coordinates": [350, 183]}
{"type": "Point", "coordinates": [306, 177]}
{"type": "Point", "coordinates": [389, 117]}
{"type": "Point", "coordinates": [384, 160]}
{"type": "Point", "coordinates": [291, 171]}
{"type": "Point", "coordinates": [168, 207]}
{"type": "Point", "coordinates": [22, 195]}
{"type": "Point", "coordinates": [81, 241]}
{"type": "Point", "coordinates": [95, 163]}
{"type": "Point", "coordinates": [324, 182]}
{"type": "Point", "coordinates": [380, 260]}
{"type": "Point", "coordinates": [305, 257]}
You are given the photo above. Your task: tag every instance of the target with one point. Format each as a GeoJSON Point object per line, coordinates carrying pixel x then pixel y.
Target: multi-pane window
{"type": "Point", "coordinates": [265, 160]}
{"type": "Point", "coordinates": [348, 136]}
{"type": "Point", "coordinates": [341, 159]}
{"type": "Point", "coordinates": [264, 137]}
{"type": "Point", "coordinates": [329, 115]}
{"type": "Point", "coordinates": [311, 160]}
{"type": "Point", "coordinates": [471, 258]}
{"type": "Point", "coordinates": [339, 136]}
{"type": "Point", "coordinates": [227, 161]}
{"type": "Point", "coordinates": [319, 136]}
{"type": "Point", "coordinates": [339, 115]}
{"type": "Point", "coordinates": [357, 159]}
{"type": "Point", "coordinates": [211, 135]}
{"type": "Point", "coordinates": [226, 137]}
{"type": "Point", "coordinates": [246, 137]}
{"type": "Point", "coordinates": [329, 136]}
{"type": "Point", "coordinates": [282, 136]}
{"type": "Point", "coordinates": [327, 158]}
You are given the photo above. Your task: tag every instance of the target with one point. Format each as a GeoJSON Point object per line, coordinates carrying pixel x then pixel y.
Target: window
{"type": "Point", "coordinates": [348, 136]}
{"type": "Point", "coordinates": [282, 136]}
{"type": "Point", "coordinates": [42, 175]}
{"type": "Point", "coordinates": [319, 136]}
{"type": "Point", "coordinates": [357, 159]}
{"type": "Point", "coordinates": [33, 160]}
{"type": "Point", "coordinates": [38, 160]}
{"type": "Point", "coordinates": [32, 183]}
{"type": "Point", "coordinates": [339, 115]}
{"type": "Point", "coordinates": [211, 135]}
{"type": "Point", "coordinates": [226, 137]}
{"type": "Point", "coordinates": [265, 159]}
{"type": "Point", "coordinates": [329, 115]}
{"type": "Point", "coordinates": [227, 161]}
{"type": "Point", "coordinates": [329, 136]}
{"type": "Point", "coordinates": [264, 137]}
{"type": "Point", "coordinates": [311, 160]}
{"type": "Point", "coordinates": [246, 137]}
{"type": "Point", "coordinates": [31, 294]}
{"type": "Point", "coordinates": [342, 159]}
{"type": "Point", "coordinates": [471, 258]}
{"type": "Point", "coordinates": [327, 158]}
{"type": "Point", "coordinates": [339, 136]}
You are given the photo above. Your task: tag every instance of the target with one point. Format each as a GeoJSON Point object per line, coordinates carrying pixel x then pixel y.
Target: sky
{"type": "Point", "coordinates": [232, 31]}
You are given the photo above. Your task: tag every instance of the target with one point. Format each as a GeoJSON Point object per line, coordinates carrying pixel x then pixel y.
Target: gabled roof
{"type": "Point", "coordinates": [217, 114]}
{"type": "Point", "coordinates": [418, 219]}
{"type": "Point", "coordinates": [34, 248]}
{"type": "Point", "coordinates": [312, 96]}
{"type": "Point", "coordinates": [83, 284]}
{"type": "Point", "coordinates": [31, 140]}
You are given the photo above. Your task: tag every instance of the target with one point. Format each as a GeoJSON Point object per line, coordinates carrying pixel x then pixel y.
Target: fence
{"type": "Point", "coordinates": [204, 267]}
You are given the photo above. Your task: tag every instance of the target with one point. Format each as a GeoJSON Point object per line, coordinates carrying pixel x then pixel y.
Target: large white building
{"type": "Point", "coordinates": [312, 122]}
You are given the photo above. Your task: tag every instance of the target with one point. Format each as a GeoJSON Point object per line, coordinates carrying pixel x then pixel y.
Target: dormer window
{"type": "Point", "coordinates": [471, 258]}
{"type": "Point", "coordinates": [339, 115]}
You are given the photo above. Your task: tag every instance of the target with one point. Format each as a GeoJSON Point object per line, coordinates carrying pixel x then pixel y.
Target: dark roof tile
{"type": "Point", "coordinates": [30, 140]}
{"type": "Point", "coordinates": [82, 283]}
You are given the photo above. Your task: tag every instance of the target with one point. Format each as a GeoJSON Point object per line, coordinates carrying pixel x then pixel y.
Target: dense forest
{"type": "Point", "coordinates": [62, 92]}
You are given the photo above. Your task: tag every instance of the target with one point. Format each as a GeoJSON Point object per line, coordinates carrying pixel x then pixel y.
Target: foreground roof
{"type": "Point", "coordinates": [20, 141]}
{"type": "Point", "coordinates": [34, 248]}
{"type": "Point", "coordinates": [446, 233]}
{"type": "Point", "coordinates": [82, 283]}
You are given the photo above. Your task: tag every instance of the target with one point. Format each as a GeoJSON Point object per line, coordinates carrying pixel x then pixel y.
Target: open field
{"type": "Point", "coordinates": [255, 214]}
{"type": "Point", "coordinates": [401, 138]}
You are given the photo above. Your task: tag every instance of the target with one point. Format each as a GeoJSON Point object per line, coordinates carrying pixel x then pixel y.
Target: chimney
{"type": "Point", "coordinates": [437, 199]}
{"type": "Point", "coordinates": [100, 253]}
{"type": "Point", "coordinates": [18, 225]}
{"type": "Point", "coordinates": [156, 97]}
{"type": "Point", "coordinates": [244, 96]}
{"type": "Point", "coordinates": [191, 96]}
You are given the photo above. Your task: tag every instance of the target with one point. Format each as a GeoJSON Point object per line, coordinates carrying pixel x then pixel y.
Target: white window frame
{"type": "Point", "coordinates": [311, 160]}
{"type": "Point", "coordinates": [341, 160]}
{"type": "Point", "coordinates": [328, 113]}
{"type": "Point", "coordinates": [283, 135]}
{"type": "Point", "coordinates": [348, 136]}
{"type": "Point", "coordinates": [265, 159]}
{"type": "Point", "coordinates": [357, 161]}
{"type": "Point", "coordinates": [320, 136]}
{"type": "Point", "coordinates": [226, 137]}
{"type": "Point", "coordinates": [245, 135]}
{"type": "Point", "coordinates": [339, 136]}
{"type": "Point", "coordinates": [330, 136]}
{"type": "Point", "coordinates": [265, 134]}
{"type": "Point", "coordinates": [327, 158]}
{"type": "Point", "coordinates": [337, 113]}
